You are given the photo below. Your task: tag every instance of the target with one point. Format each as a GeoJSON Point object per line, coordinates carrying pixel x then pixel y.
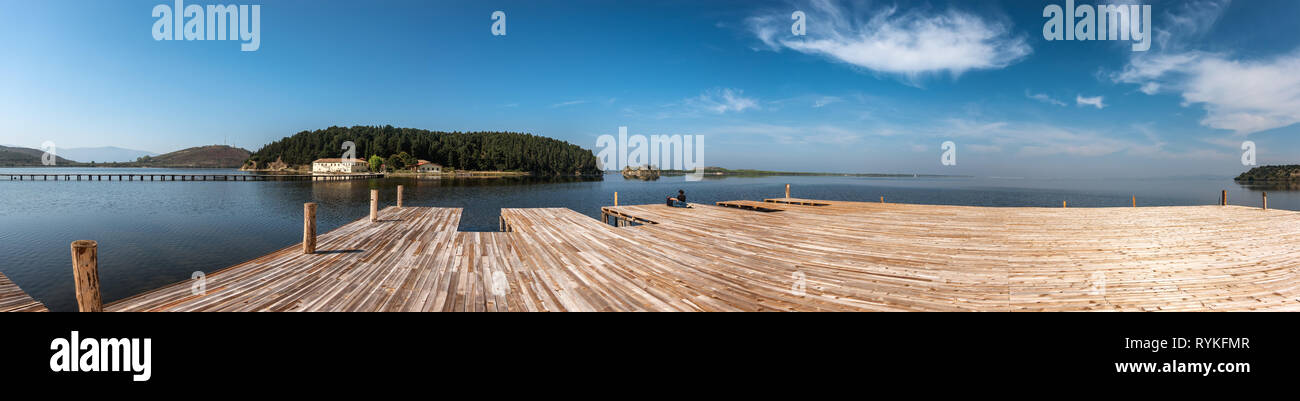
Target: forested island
{"type": "Point", "coordinates": [473, 151]}
{"type": "Point", "coordinates": [1271, 174]}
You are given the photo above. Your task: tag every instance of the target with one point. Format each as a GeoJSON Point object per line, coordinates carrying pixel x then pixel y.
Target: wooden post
{"type": "Point", "coordinates": [787, 190]}
{"type": "Point", "coordinates": [399, 196]}
{"type": "Point", "coordinates": [1223, 198]}
{"type": "Point", "coordinates": [309, 228]}
{"type": "Point", "coordinates": [374, 205]}
{"type": "Point", "coordinates": [1135, 201]}
{"type": "Point", "coordinates": [882, 199]}
{"type": "Point", "coordinates": [85, 270]}
{"type": "Point", "coordinates": [1265, 200]}
{"type": "Point", "coordinates": [1062, 204]}
{"type": "Point", "coordinates": [615, 198]}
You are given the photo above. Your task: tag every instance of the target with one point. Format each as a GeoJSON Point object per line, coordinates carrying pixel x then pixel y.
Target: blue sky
{"type": "Point", "coordinates": [872, 87]}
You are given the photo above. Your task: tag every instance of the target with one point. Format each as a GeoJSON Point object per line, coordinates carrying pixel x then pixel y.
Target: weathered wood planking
{"type": "Point", "coordinates": [837, 256]}
{"type": "Point", "coordinates": [13, 299]}
{"type": "Point", "coordinates": [751, 205]}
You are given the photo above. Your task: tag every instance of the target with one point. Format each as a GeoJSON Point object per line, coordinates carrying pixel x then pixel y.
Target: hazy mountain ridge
{"type": "Point", "coordinates": [20, 156]}
{"type": "Point", "coordinates": [104, 154]}
{"type": "Point", "coordinates": [211, 156]}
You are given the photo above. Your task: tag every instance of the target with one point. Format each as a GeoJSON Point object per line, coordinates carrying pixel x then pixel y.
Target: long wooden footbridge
{"type": "Point", "coordinates": [785, 254]}
{"type": "Point", "coordinates": [188, 177]}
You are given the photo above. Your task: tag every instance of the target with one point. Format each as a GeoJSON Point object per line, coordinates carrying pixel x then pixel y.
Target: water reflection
{"type": "Point", "coordinates": [1270, 186]}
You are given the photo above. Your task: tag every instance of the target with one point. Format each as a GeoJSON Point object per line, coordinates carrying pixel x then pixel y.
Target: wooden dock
{"type": "Point", "coordinates": [13, 299]}
{"type": "Point", "coordinates": [810, 256]}
{"type": "Point", "coordinates": [189, 177]}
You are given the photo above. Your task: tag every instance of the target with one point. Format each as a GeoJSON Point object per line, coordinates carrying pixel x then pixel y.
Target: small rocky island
{"type": "Point", "coordinates": [643, 173]}
{"type": "Point", "coordinates": [1271, 174]}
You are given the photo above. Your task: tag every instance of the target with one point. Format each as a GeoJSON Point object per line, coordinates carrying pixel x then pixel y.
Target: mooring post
{"type": "Point", "coordinates": [882, 199]}
{"type": "Point", "coordinates": [374, 205]}
{"type": "Point", "coordinates": [309, 228]}
{"type": "Point", "coordinates": [1265, 200]}
{"type": "Point", "coordinates": [615, 198]}
{"type": "Point", "coordinates": [787, 190]}
{"type": "Point", "coordinates": [1135, 201]}
{"type": "Point", "coordinates": [399, 196]}
{"type": "Point", "coordinates": [1062, 204]}
{"type": "Point", "coordinates": [1223, 198]}
{"type": "Point", "coordinates": [85, 270]}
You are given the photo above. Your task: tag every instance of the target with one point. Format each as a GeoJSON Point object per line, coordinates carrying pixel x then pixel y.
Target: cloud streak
{"type": "Point", "coordinates": [1043, 97]}
{"type": "Point", "coordinates": [1242, 96]}
{"type": "Point", "coordinates": [1095, 101]}
{"type": "Point", "coordinates": [910, 44]}
{"type": "Point", "coordinates": [721, 101]}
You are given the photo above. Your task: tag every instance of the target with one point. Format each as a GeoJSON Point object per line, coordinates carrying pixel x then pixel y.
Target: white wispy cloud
{"type": "Point", "coordinates": [795, 134]}
{"type": "Point", "coordinates": [721, 100]}
{"type": "Point", "coordinates": [825, 100]}
{"type": "Point", "coordinates": [1039, 139]}
{"type": "Point", "coordinates": [1183, 24]}
{"type": "Point", "coordinates": [1043, 97]}
{"type": "Point", "coordinates": [910, 44]}
{"type": "Point", "coordinates": [1242, 96]}
{"type": "Point", "coordinates": [568, 103]}
{"type": "Point", "coordinates": [1095, 101]}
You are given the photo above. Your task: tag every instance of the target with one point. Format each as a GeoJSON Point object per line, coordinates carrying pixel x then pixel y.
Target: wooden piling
{"type": "Point", "coordinates": [1135, 201]}
{"type": "Point", "coordinates": [309, 228]}
{"type": "Point", "coordinates": [374, 205]}
{"type": "Point", "coordinates": [1062, 204]}
{"type": "Point", "coordinates": [85, 270]}
{"type": "Point", "coordinates": [615, 198]}
{"type": "Point", "coordinates": [399, 196]}
{"type": "Point", "coordinates": [1265, 200]}
{"type": "Point", "coordinates": [787, 190]}
{"type": "Point", "coordinates": [1223, 198]}
{"type": "Point", "coordinates": [882, 199]}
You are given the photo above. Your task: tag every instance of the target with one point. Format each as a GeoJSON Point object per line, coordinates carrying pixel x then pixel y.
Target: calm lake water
{"type": "Point", "coordinates": [155, 233]}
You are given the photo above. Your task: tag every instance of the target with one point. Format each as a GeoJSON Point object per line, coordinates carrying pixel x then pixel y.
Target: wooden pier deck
{"type": "Point", "coordinates": [13, 299]}
{"type": "Point", "coordinates": [839, 256]}
{"type": "Point", "coordinates": [187, 177]}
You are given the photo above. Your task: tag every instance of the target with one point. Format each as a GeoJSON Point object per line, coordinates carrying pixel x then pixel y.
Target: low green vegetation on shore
{"type": "Point", "coordinates": [1274, 174]}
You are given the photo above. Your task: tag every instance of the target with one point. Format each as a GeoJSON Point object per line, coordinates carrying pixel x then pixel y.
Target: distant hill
{"type": "Point", "coordinates": [17, 156]}
{"type": "Point", "coordinates": [212, 156]}
{"type": "Point", "coordinates": [104, 154]}
{"type": "Point", "coordinates": [1288, 173]}
{"type": "Point", "coordinates": [477, 151]}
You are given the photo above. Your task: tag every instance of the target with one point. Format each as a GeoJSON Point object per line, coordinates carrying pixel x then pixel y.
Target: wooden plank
{"type": "Point", "coordinates": [812, 256]}
{"type": "Point", "coordinates": [13, 299]}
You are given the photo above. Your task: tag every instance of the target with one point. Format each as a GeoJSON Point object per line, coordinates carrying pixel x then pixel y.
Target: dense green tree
{"type": "Point", "coordinates": [401, 161]}
{"type": "Point", "coordinates": [503, 151]}
{"type": "Point", "coordinates": [376, 163]}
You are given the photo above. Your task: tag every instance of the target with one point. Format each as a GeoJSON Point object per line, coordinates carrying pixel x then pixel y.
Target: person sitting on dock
{"type": "Point", "coordinates": [680, 201]}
